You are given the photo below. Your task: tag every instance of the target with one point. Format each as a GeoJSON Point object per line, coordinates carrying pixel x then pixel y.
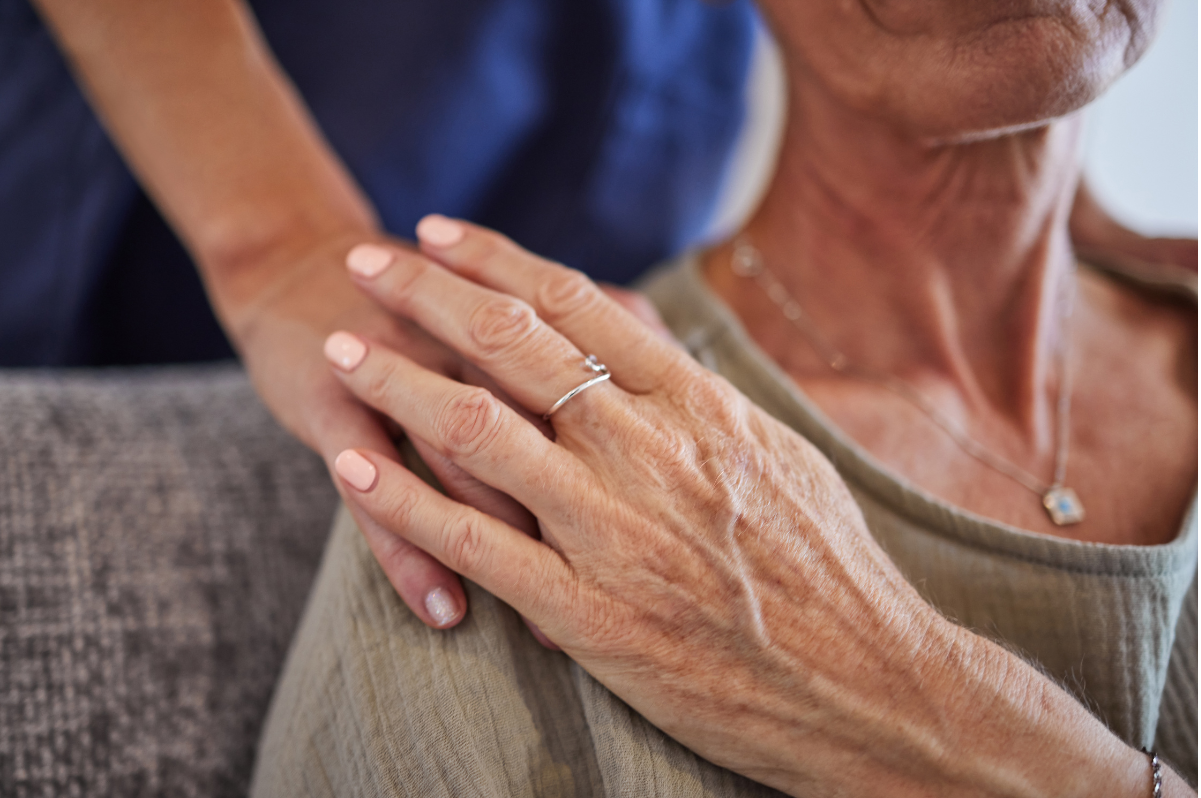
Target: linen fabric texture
{"type": "Point", "coordinates": [373, 703]}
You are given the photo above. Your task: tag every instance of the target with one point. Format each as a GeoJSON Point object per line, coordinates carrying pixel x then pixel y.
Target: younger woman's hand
{"type": "Point", "coordinates": [697, 557]}
{"type": "Point", "coordinates": [279, 338]}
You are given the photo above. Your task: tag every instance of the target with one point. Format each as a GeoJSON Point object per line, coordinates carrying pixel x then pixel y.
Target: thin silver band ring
{"type": "Point", "coordinates": [602, 374]}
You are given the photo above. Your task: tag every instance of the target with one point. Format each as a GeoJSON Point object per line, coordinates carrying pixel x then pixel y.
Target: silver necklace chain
{"type": "Point", "coordinates": [1061, 502]}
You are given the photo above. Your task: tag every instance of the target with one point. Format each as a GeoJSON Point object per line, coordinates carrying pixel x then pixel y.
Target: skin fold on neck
{"type": "Point", "coordinates": [947, 264]}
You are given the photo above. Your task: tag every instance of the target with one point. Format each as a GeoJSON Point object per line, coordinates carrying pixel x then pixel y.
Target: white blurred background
{"type": "Point", "coordinates": [1140, 151]}
{"type": "Point", "coordinates": [1140, 147]}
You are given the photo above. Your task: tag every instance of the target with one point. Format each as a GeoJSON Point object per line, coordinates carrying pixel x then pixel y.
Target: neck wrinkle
{"type": "Point", "coordinates": [928, 261]}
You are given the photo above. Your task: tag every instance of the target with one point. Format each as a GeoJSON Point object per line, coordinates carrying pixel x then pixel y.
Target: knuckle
{"type": "Point", "coordinates": [468, 422]}
{"type": "Point", "coordinates": [402, 283]}
{"type": "Point", "coordinates": [488, 247]}
{"type": "Point", "coordinates": [665, 446]}
{"type": "Point", "coordinates": [467, 545]}
{"type": "Point", "coordinates": [710, 397]}
{"type": "Point", "coordinates": [661, 456]}
{"type": "Point", "coordinates": [567, 291]}
{"type": "Point", "coordinates": [402, 506]}
{"type": "Point", "coordinates": [381, 382]}
{"type": "Point", "coordinates": [498, 323]}
{"type": "Point", "coordinates": [493, 241]}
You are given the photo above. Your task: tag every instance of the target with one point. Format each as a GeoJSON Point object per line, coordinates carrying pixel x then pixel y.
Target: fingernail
{"type": "Point", "coordinates": [440, 231]}
{"type": "Point", "coordinates": [345, 350]}
{"type": "Point", "coordinates": [355, 469]}
{"type": "Point", "coordinates": [368, 260]}
{"type": "Point", "coordinates": [441, 606]}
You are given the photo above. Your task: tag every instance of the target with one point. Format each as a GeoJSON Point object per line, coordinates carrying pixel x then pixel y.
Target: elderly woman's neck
{"type": "Point", "coordinates": [956, 254]}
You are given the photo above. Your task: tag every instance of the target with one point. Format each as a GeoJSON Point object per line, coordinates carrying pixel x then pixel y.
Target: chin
{"type": "Point", "coordinates": [973, 75]}
{"type": "Point", "coordinates": [1015, 76]}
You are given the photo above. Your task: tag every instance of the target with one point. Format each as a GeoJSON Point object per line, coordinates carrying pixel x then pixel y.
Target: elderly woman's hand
{"type": "Point", "coordinates": [699, 558]}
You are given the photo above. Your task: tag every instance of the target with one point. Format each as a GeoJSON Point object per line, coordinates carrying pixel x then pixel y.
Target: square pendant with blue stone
{"type": "Point", "coordinates": [1063, 505]}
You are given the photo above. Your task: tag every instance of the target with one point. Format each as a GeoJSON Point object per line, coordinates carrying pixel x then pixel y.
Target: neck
{"type": "Point", "coordinates": [925, 259]}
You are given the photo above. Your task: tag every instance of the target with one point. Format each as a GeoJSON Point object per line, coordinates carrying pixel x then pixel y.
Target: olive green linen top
{"type": "Point", "coordinates": [1115, 625]}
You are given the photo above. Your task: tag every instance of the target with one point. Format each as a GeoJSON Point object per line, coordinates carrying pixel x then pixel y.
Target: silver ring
{"type": "Point", "coordinates": [602, 374]}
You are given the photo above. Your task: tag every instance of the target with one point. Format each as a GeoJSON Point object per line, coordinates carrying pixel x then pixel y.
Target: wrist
{"type": "Point", "coordinates": [952, 713]}
{"type": "Point", "coordinates": [1009, 730]}
{"type": "Point", "coordinates": [243, 277]}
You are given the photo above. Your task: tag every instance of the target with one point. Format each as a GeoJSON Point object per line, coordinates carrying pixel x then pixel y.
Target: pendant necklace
{"type": "Point", "coordinates": [1061, 502]}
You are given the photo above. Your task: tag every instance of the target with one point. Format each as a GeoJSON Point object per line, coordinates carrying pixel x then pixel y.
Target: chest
{"type": "Point", "coordinates": [1133, 464]}
{"type": "Point", "coordinates": [1131, 448]}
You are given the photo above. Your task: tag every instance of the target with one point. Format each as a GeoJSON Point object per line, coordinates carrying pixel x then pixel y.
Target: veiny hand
{"type": "Point", "coordinates": [700, 559]}
{"type": "Point", "coordinates": [280, 337]}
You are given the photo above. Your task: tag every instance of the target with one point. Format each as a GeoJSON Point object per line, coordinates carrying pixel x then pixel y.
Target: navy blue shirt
{"type": "Point", "coordinates": [595, 132]}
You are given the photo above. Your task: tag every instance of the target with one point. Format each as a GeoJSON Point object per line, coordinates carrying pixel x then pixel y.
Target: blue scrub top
{"type": "Point", "coordinates": [595, 132]}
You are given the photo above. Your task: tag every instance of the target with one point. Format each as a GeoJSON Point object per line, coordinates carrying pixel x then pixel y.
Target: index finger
{"type": "Point", "coordinates": [530, 360]}
{"type": "Point", "coordinates": [565, 298]}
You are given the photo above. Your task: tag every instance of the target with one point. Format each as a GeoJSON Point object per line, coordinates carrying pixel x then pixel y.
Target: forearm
{"type": "Point", "coordinates": [216, 134]}
{"type": "Point", "coordinates": [1015, 732]}
{"type": "Point", "coordinates": [985, 723]}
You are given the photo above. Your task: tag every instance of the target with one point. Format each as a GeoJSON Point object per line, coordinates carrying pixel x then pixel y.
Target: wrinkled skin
{"type": "Point", "coordinates": [947, 70]}
{"type": "Point", "coordinates": [700, 559]}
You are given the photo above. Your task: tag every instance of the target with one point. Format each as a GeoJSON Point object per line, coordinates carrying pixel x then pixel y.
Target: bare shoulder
{"type": "Point", "coordinates": [1138, 333]}
{"type": "Point", "coordinates": [1134, 406]}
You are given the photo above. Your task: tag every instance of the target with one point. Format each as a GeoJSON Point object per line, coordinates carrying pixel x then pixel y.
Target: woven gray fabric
{"type": "Point", "coordinates": [158, 535]}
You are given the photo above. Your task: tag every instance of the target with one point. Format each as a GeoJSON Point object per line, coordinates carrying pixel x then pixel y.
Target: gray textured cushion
{"type": "Point", "coordinates": [158, 535]}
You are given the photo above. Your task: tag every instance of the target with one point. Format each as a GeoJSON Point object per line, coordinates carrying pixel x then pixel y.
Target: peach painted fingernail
{"type": "Point", "coordinates": [368, 260]}
{"type": "Point", "coordinates": [355, 469]}
{"type": "Point", "coordinates": [441, 606]}
{"type": "Point", "coordinates": [345, 350]}
{"type": "Point", "coordinates": [440, 231]}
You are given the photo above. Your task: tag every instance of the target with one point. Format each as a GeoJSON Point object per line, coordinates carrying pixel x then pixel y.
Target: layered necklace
{"type": "Point", "coordinates": [1061, 502]}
